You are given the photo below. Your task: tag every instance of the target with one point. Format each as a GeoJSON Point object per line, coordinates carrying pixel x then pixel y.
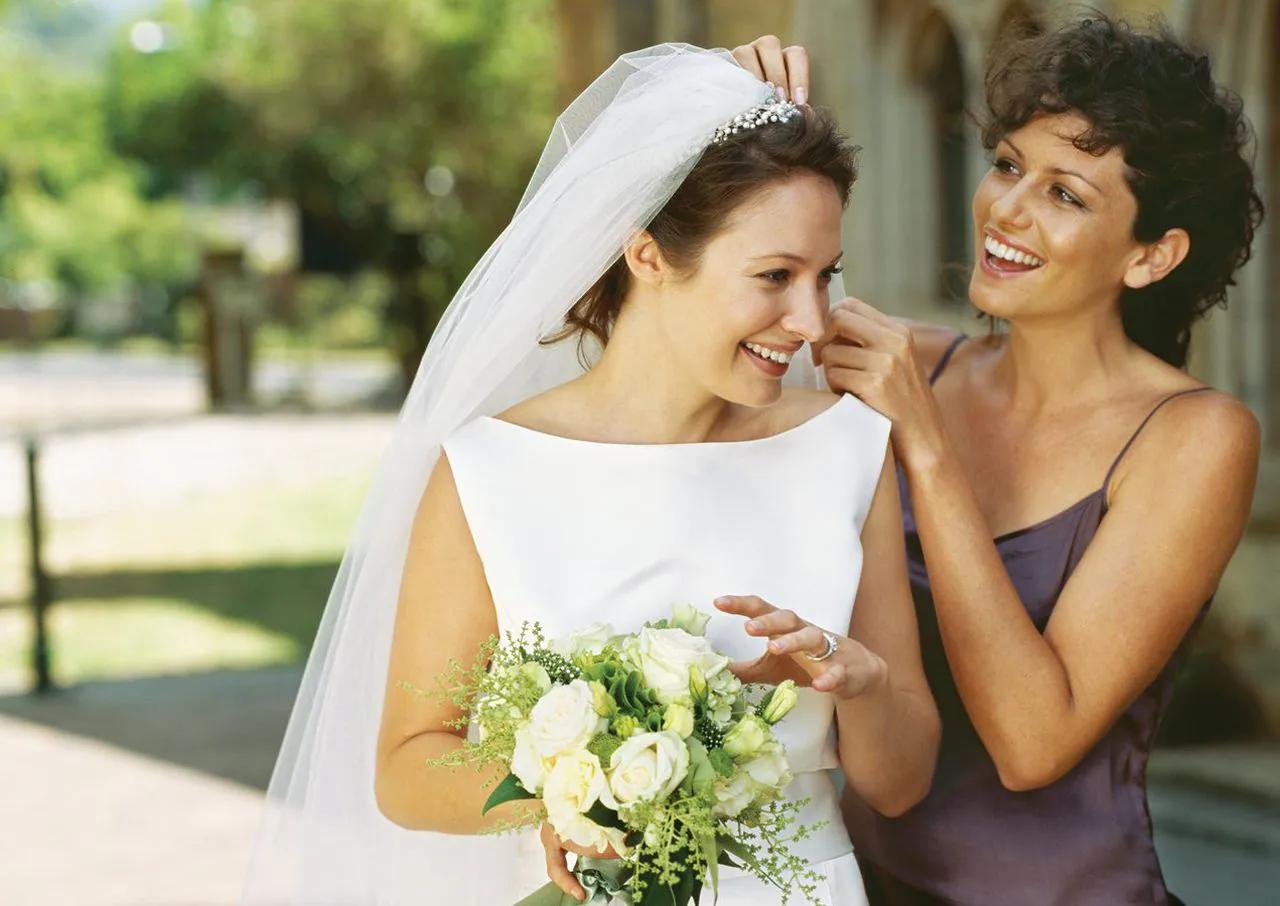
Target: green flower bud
{"type": "Point", "coordinates": [697, 685]}
{"type": "Point", "coordinates": [678, 719]}
{"type": "Point", "coordinates": [601, 700]}
{"type": "Point", "coordinates": [746, 737]}
{"type": "Point", "coordinates": [624, 725]}
{"type": "Point", "coordinates": [689, 618]}
{"type": "Point", "coordinates": [537, 674]}
{"type": "Point", "coordinates": [780, 701]}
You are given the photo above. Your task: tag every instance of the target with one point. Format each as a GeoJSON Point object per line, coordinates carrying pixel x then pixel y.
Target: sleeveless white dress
{"type": "Point", "coordinates": [571, 532]}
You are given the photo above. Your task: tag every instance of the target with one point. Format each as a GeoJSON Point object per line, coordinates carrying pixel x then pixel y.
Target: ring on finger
{"type": "Point", "coordinates": [832, 642]}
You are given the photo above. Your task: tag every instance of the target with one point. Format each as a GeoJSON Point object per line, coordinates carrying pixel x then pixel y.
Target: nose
{"type": "Point", "coordinates": [806, 314]}
{"type": "Point", "coordinates": [1010, 209]}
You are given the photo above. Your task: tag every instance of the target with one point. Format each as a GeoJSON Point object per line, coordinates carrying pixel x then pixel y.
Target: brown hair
{"type": "Point", "coordinates": [1185, 141]}
{"type": "Point", "coordinates": [726, 176]}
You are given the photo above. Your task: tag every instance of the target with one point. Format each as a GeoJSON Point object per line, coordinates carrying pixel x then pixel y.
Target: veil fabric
{"type": "Point", "coordinates": [614, 158]}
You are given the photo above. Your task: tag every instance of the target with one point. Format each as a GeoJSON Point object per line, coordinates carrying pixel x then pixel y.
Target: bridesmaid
{"type": "Point", "coordinates": [1071, 496]}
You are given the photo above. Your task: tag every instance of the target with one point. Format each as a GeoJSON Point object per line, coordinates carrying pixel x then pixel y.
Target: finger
{"type": "Point", "coordinates": [769, 50]}
{"type": "Point", "coordinates": [854, 324]}
{"type": "Point", "coordinates": [865, 385]}
{"type": "Point", "coordinates": [842, 355]}
{"type": "Point", "coordinates": [797, 62]}
{"type": "Point", "coordinates": [745, 605]}
{"type": "Point", "coordinates": [747, 671]}
{"type": "Point", "coordinates": [807, 640]}
{"type": "Point", "coordinates": [745, 54]}
{"type": "Point", "coordinates": [558, 868]}
{"type": "Point", "coordinates": [870, 311]}
{"type": "Point", "coordinates": [831, 679]}
{"type": "Point", "coordinates": [775, 623]}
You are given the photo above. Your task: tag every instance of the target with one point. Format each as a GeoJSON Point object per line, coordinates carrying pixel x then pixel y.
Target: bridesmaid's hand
{"type": "Point", "coordinates": [852, 670]}
{"type": "Point", "coordinates": [558, 866]}
{"type": "Point", "coordinates": [787, 68]}
{"type": "Point", "coordinates": [871, 355]}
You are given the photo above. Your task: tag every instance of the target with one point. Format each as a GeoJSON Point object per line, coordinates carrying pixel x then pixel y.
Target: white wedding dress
{"type": "Point", "coordinates": [571, 532]}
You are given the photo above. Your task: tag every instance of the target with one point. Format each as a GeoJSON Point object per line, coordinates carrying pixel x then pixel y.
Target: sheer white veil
{"type": "Point", "coordinates": [614, 158]}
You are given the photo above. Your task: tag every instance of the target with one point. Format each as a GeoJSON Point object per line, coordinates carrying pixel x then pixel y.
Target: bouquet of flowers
{"type": "Point", "coordinates": [645, 742]}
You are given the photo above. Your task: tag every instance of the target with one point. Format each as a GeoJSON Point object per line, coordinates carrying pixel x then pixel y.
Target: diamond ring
{"type": "Point", "coordinates": [832, 642]}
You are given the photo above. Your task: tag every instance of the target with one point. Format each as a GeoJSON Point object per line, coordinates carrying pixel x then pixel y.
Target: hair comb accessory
{"type": "Point", "coordinates": [771, 110]}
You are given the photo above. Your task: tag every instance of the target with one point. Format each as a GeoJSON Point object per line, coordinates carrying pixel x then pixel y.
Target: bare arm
{"type": "Point", "coordinates": [1041, 702]}
{"type": "Point", "coordinates": [888, 740]}
{"type": "Point", "coordinates": [445, 612]}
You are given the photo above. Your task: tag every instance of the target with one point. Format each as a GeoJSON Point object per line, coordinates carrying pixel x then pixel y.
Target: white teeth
{"type": "Point", "coordinates": [1000, 250]}
{"type": "Point", "coordinates": [765, 352]}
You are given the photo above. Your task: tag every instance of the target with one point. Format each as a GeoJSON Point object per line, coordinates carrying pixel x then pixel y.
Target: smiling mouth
{"type": "Point", "coordinates": [1005, 259]}
{"type": "Point", "coordinates": [773, 362]}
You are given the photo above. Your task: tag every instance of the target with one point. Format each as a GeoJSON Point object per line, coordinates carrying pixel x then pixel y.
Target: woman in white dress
{"type": "Point", "coordinates": [675, 469]}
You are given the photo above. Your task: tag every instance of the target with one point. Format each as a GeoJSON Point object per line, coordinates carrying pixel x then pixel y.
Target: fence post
{"type": "Point", "coordinates": [40, 589]}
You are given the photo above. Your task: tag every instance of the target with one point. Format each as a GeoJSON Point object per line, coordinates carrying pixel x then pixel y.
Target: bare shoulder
{"type": "Point", "coordinates": [1214, 422]}
{"type": "Point", "coordinates": [1207, 435]}
{"type": "Point", "coordinates": [931, 341]}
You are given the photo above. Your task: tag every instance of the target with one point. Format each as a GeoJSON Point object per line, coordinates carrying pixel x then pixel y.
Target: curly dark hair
{"type": "Point", "coordinates": [727, 175]}
{"type": "Point", "coordinates": [1184, 141]}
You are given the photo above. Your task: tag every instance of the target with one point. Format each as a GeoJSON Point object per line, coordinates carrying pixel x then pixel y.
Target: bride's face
{"type": "Point", "coordinates": [758, 293]}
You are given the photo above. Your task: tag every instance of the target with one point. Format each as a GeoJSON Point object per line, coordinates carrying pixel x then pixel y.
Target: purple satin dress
{"type": "Point", "coordinates": [1081, 841]}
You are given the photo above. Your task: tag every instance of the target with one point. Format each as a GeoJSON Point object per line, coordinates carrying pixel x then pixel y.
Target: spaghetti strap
{"type": "Point", "coordinates": [946, 357]}
{"type": "Point", "coordinates": [1106, 482]}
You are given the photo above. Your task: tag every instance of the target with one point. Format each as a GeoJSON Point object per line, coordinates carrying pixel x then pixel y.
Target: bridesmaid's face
{"type": "Point", "coordinates": [759, 291]}
{"type": "Point", "coordinates": [1066, 214]}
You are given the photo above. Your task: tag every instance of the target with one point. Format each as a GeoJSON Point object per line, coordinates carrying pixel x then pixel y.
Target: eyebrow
{"type": "Point", "coordinates": [791, 256]}
{"type": "Point", "coordinates": [1058, 170]}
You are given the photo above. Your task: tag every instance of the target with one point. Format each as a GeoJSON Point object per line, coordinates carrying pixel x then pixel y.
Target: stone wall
{"type": "Point", "coordinates": [900, 76]}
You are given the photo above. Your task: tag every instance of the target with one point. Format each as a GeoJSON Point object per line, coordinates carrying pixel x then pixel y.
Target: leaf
{"type": "Point", "coordinates": [604, 816]}
{"type": "Point", "coordinates": [507, 791]}
{"type": "Point", "coordinates": [731, 845]}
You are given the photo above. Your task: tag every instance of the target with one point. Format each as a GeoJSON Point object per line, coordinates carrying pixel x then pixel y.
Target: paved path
{"type": "Point", "coordinates": [145, 793]}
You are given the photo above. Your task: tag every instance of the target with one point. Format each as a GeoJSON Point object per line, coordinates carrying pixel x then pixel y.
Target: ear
{"type": "Point", "coordinates": [644, 259]}
{"type": "Point", "coordinates": [1155, 260]}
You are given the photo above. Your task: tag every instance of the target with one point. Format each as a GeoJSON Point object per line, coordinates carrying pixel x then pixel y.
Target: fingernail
{"type": "Point", "coordinates": [802, 95]}
{"type": "Point", "coordinates": [753, 625]}
{"type": "Point", "coordinates": [721, 602]}
{"type": "Point", "coordinates": [781, 93]}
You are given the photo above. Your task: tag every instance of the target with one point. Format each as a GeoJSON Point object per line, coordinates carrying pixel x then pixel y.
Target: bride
{"type": "Point", "coordinates": [678, 238]}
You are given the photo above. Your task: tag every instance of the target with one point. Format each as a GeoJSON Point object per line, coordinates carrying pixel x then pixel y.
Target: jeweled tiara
{"type": "Point", "coordinates": [771, 111]}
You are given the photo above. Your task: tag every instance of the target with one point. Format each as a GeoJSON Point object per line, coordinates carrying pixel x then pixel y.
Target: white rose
{"type": "Point", "coordinates": [591, 639]}
{"type": "Point", "coordinates": [690, 619]}
{"type": "Point", "coordinates": [582, 830]}
{"type": "Point", "coordinates": [732, 794]}
{"type": "Point", "coordinates": [665, 656]}
{"type": "Point", "coordinates": [648, 766]}
{"type": "Point", "coordinates": [678, 719]}
{"type": "Point", "coordinates": [564, 719]}
{"type": "Point", "coordinates": [769, 768]}
{"type": "Point", "coordinates": [528, 766]}
{"type": "Point", "coordinates": [576, 782]}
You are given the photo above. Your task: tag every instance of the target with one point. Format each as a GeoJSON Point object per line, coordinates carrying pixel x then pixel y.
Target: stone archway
{"type": "Point", "coordinates": [937, 66]}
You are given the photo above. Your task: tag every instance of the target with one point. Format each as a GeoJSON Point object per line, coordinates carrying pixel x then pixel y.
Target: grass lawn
{"type": "Point", "coordinates": [227, 580]}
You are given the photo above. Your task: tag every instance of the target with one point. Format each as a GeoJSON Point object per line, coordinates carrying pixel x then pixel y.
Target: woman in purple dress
{"type": "Point", "coordinates": [1071, 495]}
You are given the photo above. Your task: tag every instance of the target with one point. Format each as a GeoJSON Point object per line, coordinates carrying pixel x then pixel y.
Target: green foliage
{"type": "Point", "coordinates": [71, 210]}
{"type": "Point", "coordinates": [407, 127]}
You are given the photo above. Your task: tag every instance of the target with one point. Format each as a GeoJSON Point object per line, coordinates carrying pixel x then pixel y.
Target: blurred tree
{"type": "Point", "coordinates": [72, 212]}
{"type": "Point", "coordinates": [404, 130]}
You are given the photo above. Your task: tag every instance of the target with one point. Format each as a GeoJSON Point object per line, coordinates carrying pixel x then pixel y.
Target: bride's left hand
{"type": "Point", "coordinates": [852, 669]}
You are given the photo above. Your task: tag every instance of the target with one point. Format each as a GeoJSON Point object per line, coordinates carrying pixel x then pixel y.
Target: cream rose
{"type": "Point", "coordinates": [665, 656]}
{"type": "Point", "coordinates": [769, 768]}
{"type": "Point", "coordinates": [528, 766]}
{"type": "Point", "coordinates": [648, 766]}
{"type": "Point", "coordinates": [732, 795]}
{"type": "Point", "coordinates": [575, 783]}
{"type": "Point", "coordinates": [590, 638]}
{"type": "Point", "coordinates": [564, 720]}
